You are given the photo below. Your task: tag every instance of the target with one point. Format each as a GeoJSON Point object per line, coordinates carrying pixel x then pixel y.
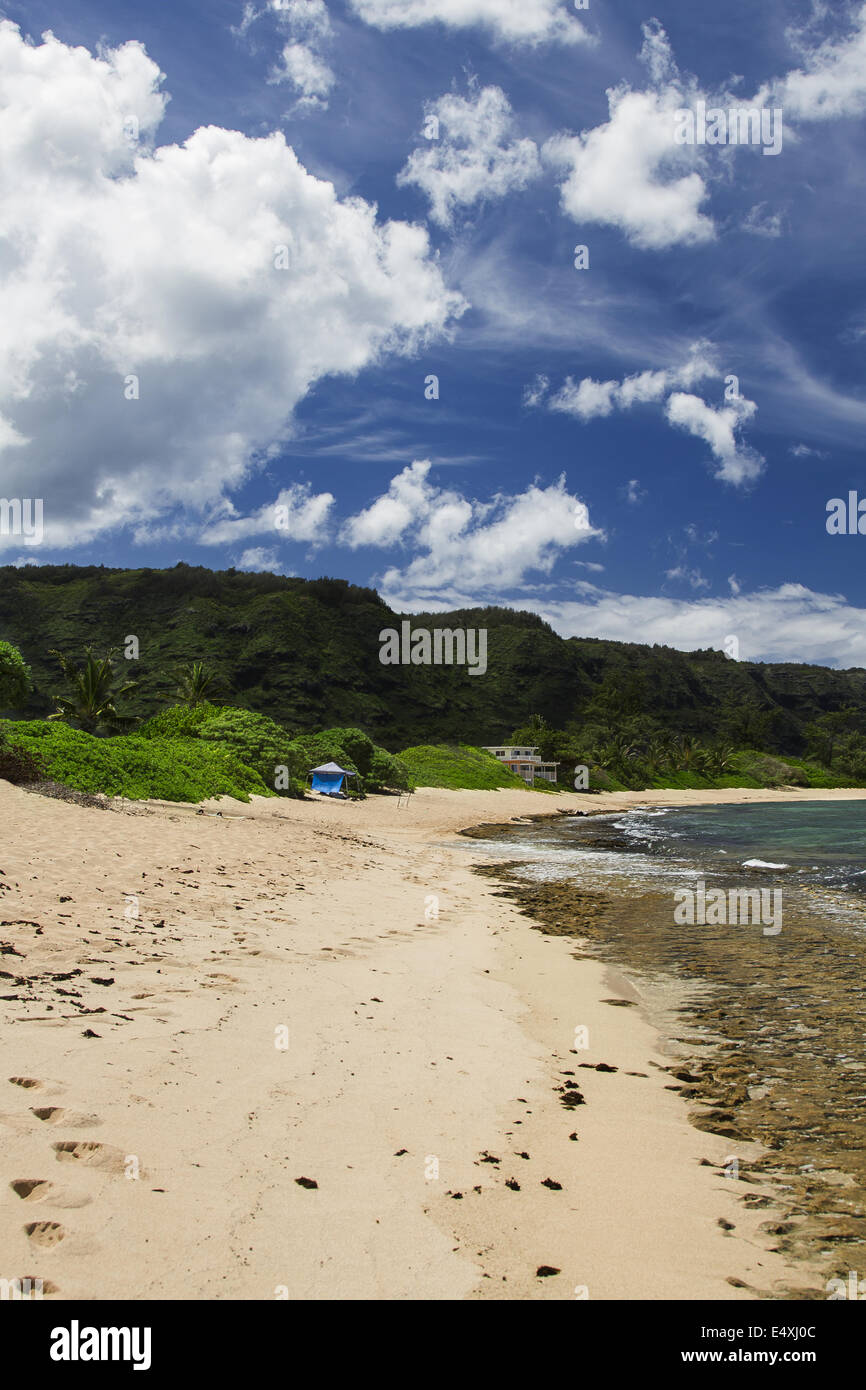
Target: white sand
{"type": "Point", "coordinates": [431, 1035]}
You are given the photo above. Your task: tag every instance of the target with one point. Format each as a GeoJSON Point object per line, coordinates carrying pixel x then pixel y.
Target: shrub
{"type": "Point", "coordinates": [19, 764]}
{"type": "Point", "coordinates": [14, 677]}
{"type": "Point", "coordinates": [182, 769]}
{"type": "Point", "coordinates": [386, 771]}
{"type": "Point", "coordinates": [178, 721]}
{"type": "Point", "coordinates": [256, 740]}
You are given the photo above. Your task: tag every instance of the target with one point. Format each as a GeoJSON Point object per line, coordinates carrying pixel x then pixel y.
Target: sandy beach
{"type": "Point", "coordinates": [298, 1049]}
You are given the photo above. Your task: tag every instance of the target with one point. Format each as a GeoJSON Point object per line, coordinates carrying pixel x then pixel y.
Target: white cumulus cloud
{"type": "Point", "coordinates": [296, 514]}
{"type": "Point", "coordinates": [459, 545]}
{"type": "Point", "coordinates": [831, 82]}
{"type": "Point", "coordinates": [719, 427]}
{"type": "Point", "coordinates": [475, 158]}
{"type": "Point", "coordinates": [628, 172]}
{"type": "Point", "coordinates": [307, 72]}
{"type": "Point", "coordinates": [787, 623]}
{"type": "Point", "coordinates": [589, 399]}
{"type": "Point", "coordinates": [167, 308]}
{"type": "Point", "coordinates": [515, 21]}
{"type": "Point", "coordinates": [259, 559]}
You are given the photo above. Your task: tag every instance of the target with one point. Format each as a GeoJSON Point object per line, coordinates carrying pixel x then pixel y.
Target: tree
{"type": "Point", "coordinates": [745, 722]}
{"type": "Point", "coordinates": [532, 732]}
{"type": "Point", "coordinates": [658, 753]}
{"type": "Point", "coordinates": [15, 680]}
{"type": "Point", "coordinates": [720, 759]}
{"type": "Point", "coordinates": [94, 691]}
{"type": "Point", "coordinates": [197, 683]}
{"type": "Point", "coordinates": [828, 729]}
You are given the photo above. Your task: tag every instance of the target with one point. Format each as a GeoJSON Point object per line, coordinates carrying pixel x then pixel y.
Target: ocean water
{"type": "Point", "coordinates": [771, 1027]}
{"type": "Point", "coordinates": [819, 844]}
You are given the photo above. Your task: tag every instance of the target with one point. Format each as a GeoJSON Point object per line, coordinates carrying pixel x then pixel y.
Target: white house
{"type": "Point", "coordinates": [524, 761]}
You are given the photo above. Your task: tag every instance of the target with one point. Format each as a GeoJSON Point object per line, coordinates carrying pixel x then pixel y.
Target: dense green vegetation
{"type": "Point", "coordinates": [189, 753]}
{"type": "Point", "coordinates": [135, 767]}
{"type": "Point", "coordinates": [253, 739]}
{"type": "Point", "coordinates": [305, 653]}
{"type": "Point", "coordinates": [639, 753]}
{"type": "Point", "coordinates": [94, 692]}
{"type": "Point", "coordinates": [14, 677]}
{"type": "Point", "coordinates": [291, 656]}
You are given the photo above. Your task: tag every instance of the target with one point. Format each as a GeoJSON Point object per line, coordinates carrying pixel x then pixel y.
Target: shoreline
{"type": "Point", "coordinates": [412, 1037]}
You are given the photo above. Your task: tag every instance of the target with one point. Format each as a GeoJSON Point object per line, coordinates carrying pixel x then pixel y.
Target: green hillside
{"type": "Point", "coordinates": [305, 653]}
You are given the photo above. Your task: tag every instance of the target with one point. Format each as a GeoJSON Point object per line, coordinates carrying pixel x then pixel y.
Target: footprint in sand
{"type": "Point", "coordinates": [33, 1190]}
{"type": "Point", "coordinates": [91, 1155]}
{"type": "Point", "coordinates": [29, 1288]}
{"type": "Point", "coordinates": [30, 1083]}
{"type": "Point", "coordinates": [44, 1233]}
{"type": "Point", "coordinates": [57, 1115]}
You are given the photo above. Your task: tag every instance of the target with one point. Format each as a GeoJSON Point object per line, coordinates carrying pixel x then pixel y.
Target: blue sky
{"type": "Point", "coordinates": [581, 458]}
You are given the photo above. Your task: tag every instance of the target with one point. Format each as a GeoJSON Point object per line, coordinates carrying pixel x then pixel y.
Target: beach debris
{"type": "Point", "coordinates": [552, 1184]}
{"type": "Point", "coordinates": [597, 1066]}
{"type": "Point", "coordinates": [400, 1153]}
{"type": "Point", "coordinates": [307, 1182]}
{"type": "Point", "coordinates": [621, 1003]}
{"type": "Point", "coordinates": [513, 1184]}
{"type": "Point", "coordinates": [523, 1154]}
{"type": "Point", "coordinates": [571, 1095]}
{"type": "Point", "coordinates": [456, 1196]}
{"type": "Point", "coordinates": [574, 1135]}
{"type": "Point", "coordinates": [546, 1271]}
{"type": "Point", "coordinates": [487, 1157]}
{"type": "Point", "coordinates": [89, 1033]}
{"type": "Point", "coordinates": [95, 980]}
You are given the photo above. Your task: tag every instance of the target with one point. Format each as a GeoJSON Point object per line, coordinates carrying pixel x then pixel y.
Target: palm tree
{"type": "Point", "coordinates": [684, 753]}
{"type": "Point", "coordinates": [196, 684]}
{"type": "Point", "coordinates": [720, 759]}
{"type": "Point", "coordinates": [658, 754]}
{"type": "Point", "coordinates": [95, 689]}
{"type": "Point", "coordinates": [614, 754]}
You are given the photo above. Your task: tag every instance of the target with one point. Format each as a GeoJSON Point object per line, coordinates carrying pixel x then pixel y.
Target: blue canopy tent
{"type": "Point", "coordinates": [330, 778]}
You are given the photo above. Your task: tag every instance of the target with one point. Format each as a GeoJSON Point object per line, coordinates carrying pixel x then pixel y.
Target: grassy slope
{"type": "Point", "coordinates": [457, 766]}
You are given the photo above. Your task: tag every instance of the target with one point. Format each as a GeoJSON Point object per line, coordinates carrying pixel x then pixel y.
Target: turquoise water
{"type": "Point", "coordinates": [820, 842]}
{"type": "Point", "coordinates": [813, 845]}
